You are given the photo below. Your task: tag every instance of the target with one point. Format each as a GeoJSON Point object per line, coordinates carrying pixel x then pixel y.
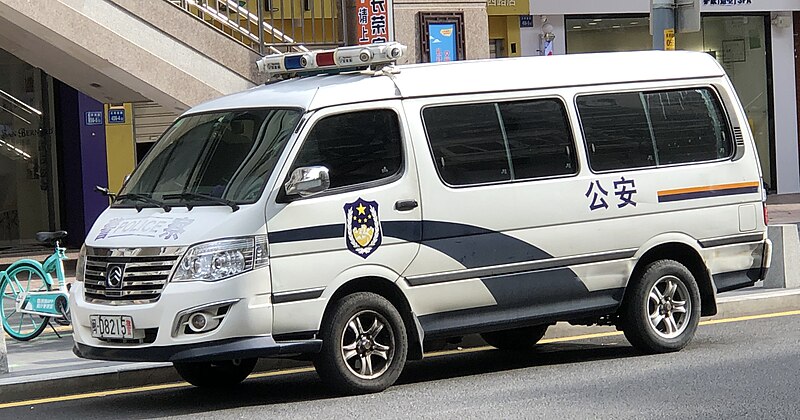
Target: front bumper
{"type": "Point", "coordinates": [246, 327]}
{"type": "Point", "coordinates": [237, 348]}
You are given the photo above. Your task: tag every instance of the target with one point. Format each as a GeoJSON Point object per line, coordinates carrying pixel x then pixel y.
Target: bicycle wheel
{"type": "Point", "coordinates": [20, 279]}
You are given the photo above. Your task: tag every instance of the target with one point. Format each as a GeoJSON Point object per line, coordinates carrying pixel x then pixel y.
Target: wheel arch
{"type": "Point", "coordinates": [388, 290]}
{"type": "Point", "coordinates": [683, 252]}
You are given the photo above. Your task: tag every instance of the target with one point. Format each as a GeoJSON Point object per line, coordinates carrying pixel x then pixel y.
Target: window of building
{"type": "Point", "coordinates": [356, 147]}
{"type": "Point", "coordinates": [505, 141]}
{"type": "Point", "coordinates": [643, 129]}
{"type": "Point", "coordinates": [740, 43]}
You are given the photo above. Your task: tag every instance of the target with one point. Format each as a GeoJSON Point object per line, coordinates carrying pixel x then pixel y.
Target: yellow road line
{"type": "Point", "coordinates": [311, 369]}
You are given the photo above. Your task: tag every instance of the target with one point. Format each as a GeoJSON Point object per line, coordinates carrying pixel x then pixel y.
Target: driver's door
{"type": "Point", "coordinates": [367, 224]}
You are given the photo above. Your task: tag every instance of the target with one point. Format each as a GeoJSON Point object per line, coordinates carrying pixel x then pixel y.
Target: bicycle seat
{"type": "Point", "coordinates": [51, 236]}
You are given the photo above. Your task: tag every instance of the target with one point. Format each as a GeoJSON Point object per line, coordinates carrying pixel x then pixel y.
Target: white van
{"type": "Point", "coordinates": [353, 218]}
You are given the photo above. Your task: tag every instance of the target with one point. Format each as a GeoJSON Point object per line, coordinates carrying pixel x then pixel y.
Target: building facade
{"type": "Point", "coordinates": [754, 40]}
{"type": "Point", "coordinates": [56, 144]}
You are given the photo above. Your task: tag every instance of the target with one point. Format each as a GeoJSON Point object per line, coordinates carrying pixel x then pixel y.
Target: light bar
{"type": "Point", "coordinates": [341, 59]}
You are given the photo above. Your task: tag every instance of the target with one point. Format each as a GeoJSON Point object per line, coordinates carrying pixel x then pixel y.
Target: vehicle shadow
{"type": "Point", "coordinates": [277, 393]}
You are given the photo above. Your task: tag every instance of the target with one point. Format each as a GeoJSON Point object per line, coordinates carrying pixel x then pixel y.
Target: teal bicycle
{"type": "Point", "coordinates": [31, 299]}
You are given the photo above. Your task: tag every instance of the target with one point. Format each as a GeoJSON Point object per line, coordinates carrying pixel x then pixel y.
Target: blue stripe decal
{"type": "Point", "coordinates": [471, 246]}
{"type": "Point", "coordinates": [307, 234]}
{"type": "Point", "coordinates": [707, 194]}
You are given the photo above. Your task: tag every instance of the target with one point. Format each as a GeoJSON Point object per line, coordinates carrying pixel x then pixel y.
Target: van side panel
{"type": "Point", "coordinates": [564, 248]}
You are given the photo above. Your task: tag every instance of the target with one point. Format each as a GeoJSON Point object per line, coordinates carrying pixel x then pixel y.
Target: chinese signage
{"type": "Point", "coordinates": [624, 189]}
{"type": "Point", "coordinates": [374, 21]}
{"type": "Point", "coordinates": [442, 42]}
{"type": "Point", "coordinates": [726, 2]}
{"type": "Point", "coordinates": [94, 117]}
{"type": "Point", "coordinates": [116, 116]}
{"type": "Point", "coordinates": [507, 7]}
{"type": "Point", "coordinates": [526, 21]}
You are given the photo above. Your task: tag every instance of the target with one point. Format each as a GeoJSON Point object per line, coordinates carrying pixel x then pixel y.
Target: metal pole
{"type": "Point", "coordinates": [3, 353]}
{"type": "Point", "coordinates": [260, 6]}
{"type": "Point", "coordinates": [662, 18]}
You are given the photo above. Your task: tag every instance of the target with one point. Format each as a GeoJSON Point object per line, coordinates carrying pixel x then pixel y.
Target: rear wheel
{"type": "Point", "coordinates": [221, 374]}
{"type": "Point", "coordinates": [662, 308]}
{"type": "Point", "coordinates": [364, 345]}
{"type": "Point", "coordinates": [518, 339]}
{"type": "Point", "coordinates": [21, 279]}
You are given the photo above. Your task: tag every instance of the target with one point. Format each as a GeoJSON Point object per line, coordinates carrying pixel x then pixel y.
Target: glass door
{"type": "Point", "coordinates": [25, 135]}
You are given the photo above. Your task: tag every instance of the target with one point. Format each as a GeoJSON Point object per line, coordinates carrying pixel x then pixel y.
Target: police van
{"type": "Point", "coordinates": [351, 211]}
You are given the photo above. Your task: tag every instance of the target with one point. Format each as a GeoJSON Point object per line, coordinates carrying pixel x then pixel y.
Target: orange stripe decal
{"type": "Point", "coordinates": [709, 188]}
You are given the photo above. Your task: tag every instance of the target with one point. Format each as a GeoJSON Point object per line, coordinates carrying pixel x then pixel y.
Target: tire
{"type": "Point", "coordinates": [662, 308]}
{"type": "Point", "coordinates": [222, 374]}
{"type": "Point", "coordinates": [518, 339]}
{"type": "Point", "coordinates": [364, 345]}
{"type": "Point", "coordinates": [22, 327]}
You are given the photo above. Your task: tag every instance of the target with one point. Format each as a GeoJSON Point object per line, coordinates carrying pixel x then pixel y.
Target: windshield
{"type": "Point", "coordinates": [219, 158]}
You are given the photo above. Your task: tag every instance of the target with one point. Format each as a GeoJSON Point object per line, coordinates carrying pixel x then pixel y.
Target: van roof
{"type": "Point", "coordinates": [476, 76]}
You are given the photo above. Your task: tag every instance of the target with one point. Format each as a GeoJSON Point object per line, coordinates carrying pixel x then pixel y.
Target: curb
{"type": "Point", "coordinates": [142, 374]}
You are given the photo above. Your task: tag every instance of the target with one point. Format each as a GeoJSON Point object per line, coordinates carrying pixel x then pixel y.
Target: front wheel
{"type": "Point", "coordinates": [21, 279]}
{"type": "Point", "coordinates": [220, 374]}
{"type": "Point", "coordinates": [662, 309]}
{"type": "Point", "coordinates": [364, 345]}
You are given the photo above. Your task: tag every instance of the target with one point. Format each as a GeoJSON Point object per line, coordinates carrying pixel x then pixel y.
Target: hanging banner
{"type": "Point", "coordinates": [374, 21]}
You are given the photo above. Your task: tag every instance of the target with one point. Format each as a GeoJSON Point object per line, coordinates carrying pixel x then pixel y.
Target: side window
{"type": "Point", "coordinates": [642, 129]}
{"type": "Point", "coordinates": [616, 130]}
{"type": "Point", "coordinates": [503, 141]}
{"type": "Point", "coordinates": [356, 147]}
{"type": "Point", "coordinates": [467, 143]}
{"type": "Point", "coordinates": [688, 126]}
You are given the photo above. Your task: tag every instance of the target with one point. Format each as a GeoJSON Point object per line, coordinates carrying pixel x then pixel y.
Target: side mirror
{"type": "Point", "coordinates": [308, 181]}
{"type": "Point", "coordinates": [104, 191]}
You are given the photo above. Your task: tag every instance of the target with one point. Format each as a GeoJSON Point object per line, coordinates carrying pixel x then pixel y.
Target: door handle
{"type": "Point", "coordinates": [405, 205]}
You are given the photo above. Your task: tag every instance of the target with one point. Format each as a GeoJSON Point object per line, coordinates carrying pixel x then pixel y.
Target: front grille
{"type": "Point", "coordinates": [143, 279]}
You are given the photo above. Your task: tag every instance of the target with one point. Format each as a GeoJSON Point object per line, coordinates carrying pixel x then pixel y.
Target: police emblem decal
{"type": "Point", "coordinates": [362, 227]}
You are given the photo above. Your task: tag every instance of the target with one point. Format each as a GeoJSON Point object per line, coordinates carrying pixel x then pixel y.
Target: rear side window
{"type": "Point", "coordinates": [645, 129]}
{"type": "Point", "coordinates": [356, 147]}
{"type": "Point", "coordinates": [500, 141]}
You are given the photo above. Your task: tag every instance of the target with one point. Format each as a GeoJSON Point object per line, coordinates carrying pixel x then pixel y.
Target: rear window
{"type": "Point", "coordinates": [647, 129]}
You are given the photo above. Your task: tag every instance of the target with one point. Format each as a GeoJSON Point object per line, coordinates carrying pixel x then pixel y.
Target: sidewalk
{"type": "Point", "coordinates": [46, 366]}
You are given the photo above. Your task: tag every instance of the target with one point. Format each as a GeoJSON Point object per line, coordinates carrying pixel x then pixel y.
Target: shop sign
{"type": "Point", "coordinates": [726, 2]}
{"type": "Point", "coordinates": [669, 40]}
{"type": "Point", "coordinates": [507, 7]}
{"type": "Point", "coordinates": [526, 21]}
{"type": "Point", "coordinates": [116, 116]}
{"type": "Point", "coordinates": [374, 21]}
{"type": "Point", "coordinates": [94, 118]}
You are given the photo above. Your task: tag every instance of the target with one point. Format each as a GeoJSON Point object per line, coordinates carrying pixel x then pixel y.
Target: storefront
{"type": "Point", "coordinates": [53, 151]}
{"type": "Point", "coordinates": [752, 40]}
{"type": "Point", "coordinates": [506, 17]}
{"type": "Point", "coordinates": [27, 187]}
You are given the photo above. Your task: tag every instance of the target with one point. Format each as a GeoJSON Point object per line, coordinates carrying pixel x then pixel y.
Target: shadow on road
{"type": "Point", "coordinates": [306, 386]}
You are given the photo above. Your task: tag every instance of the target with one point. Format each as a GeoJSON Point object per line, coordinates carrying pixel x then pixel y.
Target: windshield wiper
{"type": "Point", "coordinates": [208, 198]}
{"type": "Point", "coordinates": [145, 199]}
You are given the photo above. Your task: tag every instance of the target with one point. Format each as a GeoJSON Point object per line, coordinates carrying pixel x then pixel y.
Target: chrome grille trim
{"type": "Point", "coordinates": [146, 273]}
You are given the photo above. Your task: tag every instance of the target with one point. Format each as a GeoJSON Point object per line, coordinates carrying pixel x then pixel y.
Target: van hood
{"type": "Point", "coordinates": [153, 227]}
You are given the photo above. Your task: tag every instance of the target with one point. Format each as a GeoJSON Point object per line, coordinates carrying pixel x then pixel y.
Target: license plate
{"type": "Point", "coordinates": [111, 326]}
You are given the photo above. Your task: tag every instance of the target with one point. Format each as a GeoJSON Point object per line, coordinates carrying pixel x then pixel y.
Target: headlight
{"type": "Point", "coordinates": [213, 261]}
{"type": "Point", "coordinates": [80, 266]}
